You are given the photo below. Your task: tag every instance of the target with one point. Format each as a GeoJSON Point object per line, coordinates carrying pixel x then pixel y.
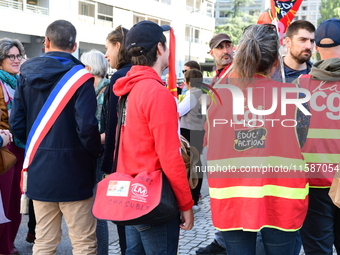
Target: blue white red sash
{"type": "Point", "coordinates": [52, 108]}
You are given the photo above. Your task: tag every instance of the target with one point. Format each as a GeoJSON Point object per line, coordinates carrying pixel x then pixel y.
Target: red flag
{"type": "Point", "coordinates": [282, 12]}
{"type": "Point", "coordinates": [172, 84]}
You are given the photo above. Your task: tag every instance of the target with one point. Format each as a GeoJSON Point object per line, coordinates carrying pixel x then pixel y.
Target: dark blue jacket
{"type": "Point", "coordinates": [112, 119]}
{"type": "Point", "coordinates": [64, 166]}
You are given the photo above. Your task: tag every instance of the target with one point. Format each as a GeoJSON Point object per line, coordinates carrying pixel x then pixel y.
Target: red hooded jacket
{"type": "Point", "coordinates": [149, 137]}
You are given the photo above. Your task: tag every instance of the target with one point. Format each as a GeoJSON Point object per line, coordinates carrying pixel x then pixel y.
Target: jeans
{"type": "Point", "coordinates": [102, 232]}
{"type": "Point", "coordinates": [259, 243]}
{"type": "Point", "coordinates": [275, 242]}
{"type": "Point", "coordinates": [149, 239]}
{"type": "Point", "coordinates": [321, 228]}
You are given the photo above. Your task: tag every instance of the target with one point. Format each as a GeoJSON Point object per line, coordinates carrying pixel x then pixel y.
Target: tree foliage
{"type": "Point", "coordinates": [235, 25]}
{"type": "Point", "coordinates": [329, 9]}
{"type": "Point", "coordinates": [237, 21]}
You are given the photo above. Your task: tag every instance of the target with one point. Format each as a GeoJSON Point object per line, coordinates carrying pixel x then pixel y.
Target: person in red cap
{"type": "Point", "coordinates": [321, 228]}
{"type": "Point", "coordinates": [149, 139]}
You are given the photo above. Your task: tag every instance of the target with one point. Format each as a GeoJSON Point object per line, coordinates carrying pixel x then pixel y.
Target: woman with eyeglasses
{"type": "Point", "coordinates": [11, 55]}
{"type": "Point", "coordinates": [257, 179]}
{"type": "Point", "coordinates": [120, 61]}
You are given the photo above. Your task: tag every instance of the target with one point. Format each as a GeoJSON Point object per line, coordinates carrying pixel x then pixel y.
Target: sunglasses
{"type": "Point", "coordinates": [183, 71]}
{"type": "Point", "coordinates": [12, 57]}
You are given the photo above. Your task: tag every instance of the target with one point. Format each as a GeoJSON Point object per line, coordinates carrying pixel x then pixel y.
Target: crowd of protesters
{"type": "Point", "coordinates": [264, 214]}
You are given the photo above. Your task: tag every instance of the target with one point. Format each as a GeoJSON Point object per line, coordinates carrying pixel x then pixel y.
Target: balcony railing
{"type": "Point", "coordinates": [11, 4]}
{"type": "Point", "coordinates": [37, 9]}
{"type": "Point", "coordinates": [19, 6]}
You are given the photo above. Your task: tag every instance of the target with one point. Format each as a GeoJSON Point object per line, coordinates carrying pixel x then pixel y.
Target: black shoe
{"type": "Point", "coordinates": [212, 249]}
{"type": "Point", "coordinates": [30, 238]}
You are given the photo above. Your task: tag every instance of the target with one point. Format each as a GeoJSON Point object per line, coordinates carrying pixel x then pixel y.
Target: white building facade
{"type": "Point", "coordinates": [309, 10]}
{"type": "Point", "coordinates": [192, 20]}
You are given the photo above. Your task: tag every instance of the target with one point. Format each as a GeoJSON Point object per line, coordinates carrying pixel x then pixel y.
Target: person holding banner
{"type": "Point", "coordinates": [321, 228]}
{"type": "Point", "coordinates": [251, 198]}
{"type": "Point", "coordinates": [54, 113]}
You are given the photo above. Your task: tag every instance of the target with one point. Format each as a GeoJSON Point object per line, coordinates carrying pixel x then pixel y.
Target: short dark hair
{"type": "Point", "coordinates": [295, 26]}
{"type": "Point", "coordinates": [193, 65]}
{"type": "Point", "coordinates": [195, 76]}
{"type": "Point", "coordinates": [118, 35]}
{"type": "Point", "coordinates": [150, 57]}
{"type": "Point", "coordinates": [62, 34]}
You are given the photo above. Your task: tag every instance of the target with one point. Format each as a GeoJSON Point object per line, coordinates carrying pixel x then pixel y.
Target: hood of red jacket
{"type": "Point", "coordinates": [137, 73]}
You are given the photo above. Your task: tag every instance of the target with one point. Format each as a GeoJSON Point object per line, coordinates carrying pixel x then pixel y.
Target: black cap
{"type": "Point", "coordinates": [330, 30]}
{"type": "Point", "coordinates": [145, 34]}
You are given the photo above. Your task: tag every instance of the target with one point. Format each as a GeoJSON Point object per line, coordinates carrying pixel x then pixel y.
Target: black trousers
{"type": "Point", "coordinates": [195, 138]}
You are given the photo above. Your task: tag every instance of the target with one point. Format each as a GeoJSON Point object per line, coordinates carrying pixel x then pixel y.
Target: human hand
{"type": "Point", "coordinates": [6, 137]}
{"type": "Point", "coordinates": [187, 219]}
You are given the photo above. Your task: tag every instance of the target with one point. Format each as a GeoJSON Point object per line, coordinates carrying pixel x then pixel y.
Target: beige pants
{"type": "Point", "coordinates": [79, 220]}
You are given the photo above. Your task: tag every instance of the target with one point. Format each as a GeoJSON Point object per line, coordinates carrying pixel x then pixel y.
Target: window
{"type": "Point", "coordinates": [163, 22]}
{"type": "Point", "coordinates": [153, 20]}
{"type": "Point", "coordinates": [193, 5]}
{"type": "Point", "coordinates": [312, 7]}
{"type": "Point", "coordinates": [33, 2]}
{"type": "Point", "coordinates": [303, 17]}
{"type": "Point", "coordinates": [86, 9]}
{"type": "Point", "coordinates": [209, 10]}
{"type": "Point", "coordinates": [105, 12]}
{"type": "Point", "coordinates": [137, 18]}
{"type": "Point", "coordinates": [187, 33]}
{"type": "Point", "coordinates": [304, 8]}
{"type": "Point", "coordinates": [198, 4]}
{"type": "Point", "coordinates": [223, 14]}
{"type": "Point", "coordinates": [197, 36]}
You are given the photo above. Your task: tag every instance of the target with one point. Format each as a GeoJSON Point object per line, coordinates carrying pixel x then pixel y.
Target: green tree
{"type": "Point", "coordinates": [237, 21]}
{"type": "Point", "coordinates": [235, 25]}
{"type": "Point", "coordinates": [329, 9]}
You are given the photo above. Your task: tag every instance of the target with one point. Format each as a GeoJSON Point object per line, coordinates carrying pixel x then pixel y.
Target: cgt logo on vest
{"type": "Point", "coordinates": [139, 192]}
{"type": "Point", "coordinates": [324, 98]}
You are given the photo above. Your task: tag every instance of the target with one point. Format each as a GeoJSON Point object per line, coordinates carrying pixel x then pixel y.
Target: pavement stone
{"type": "Point", "coordinates": [201, 235]}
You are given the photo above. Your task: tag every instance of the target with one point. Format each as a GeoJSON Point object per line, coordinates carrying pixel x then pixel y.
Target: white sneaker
{"type": "Point", "coordinates": [195, 208]}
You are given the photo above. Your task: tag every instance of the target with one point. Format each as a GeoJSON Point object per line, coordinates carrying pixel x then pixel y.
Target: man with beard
{"type": "Point", "coordinates": [221, 49]}
{"type": "Point", "coordinates": [300, 43]}
{"type": "Point", "coordinates": [321, 229]}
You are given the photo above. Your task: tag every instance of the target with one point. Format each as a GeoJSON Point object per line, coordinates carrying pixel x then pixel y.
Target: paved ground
{"type": "Point", "coordinates": [200, 236]}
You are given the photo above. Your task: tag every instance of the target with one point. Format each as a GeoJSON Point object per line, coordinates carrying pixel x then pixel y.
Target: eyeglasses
{"type": "Point", "coordinates": [12, 57]}
{"type": "Point", "coordinates": [183, 71]}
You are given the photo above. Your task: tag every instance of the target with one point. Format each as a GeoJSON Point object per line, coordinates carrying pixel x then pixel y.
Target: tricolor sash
{"type": "Point", "coordinates": [54, 105]}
